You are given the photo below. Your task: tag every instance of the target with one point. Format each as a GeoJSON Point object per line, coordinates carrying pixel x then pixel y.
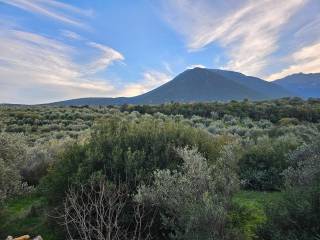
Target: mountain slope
{"type": "Point", "coordinates": [304, 85]}
{"type": "Point", "coordinates": [270, 89]}
{"type": "Point", "coordinates": [197, 85]}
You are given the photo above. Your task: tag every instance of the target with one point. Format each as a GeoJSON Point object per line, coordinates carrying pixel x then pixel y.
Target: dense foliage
{"type": "Point", "coordinates": [272, 110]}
{"type": "Point", "coordinates": [296, 215]}
{"type": "Point", "coordinates": [179, 171]}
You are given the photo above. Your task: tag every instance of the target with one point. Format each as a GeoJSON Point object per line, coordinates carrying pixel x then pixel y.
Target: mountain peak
{"type": "Point", "coordinates": [201, 85]}
{"type": "Point", "coordinates": [302, 84]}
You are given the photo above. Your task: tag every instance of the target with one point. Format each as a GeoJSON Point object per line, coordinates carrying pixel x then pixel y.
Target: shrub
{"type": "Point", "coordinates": [40, 157]}
{"type": "Point", "coordinates": [125, 151]}
{"type": "Point", "coordinates": [129, 151]}
{"type": "Point", "coordinates": [196, 198]}
{"type": "Point", "coordinates": [304, 169]}
{"type": "Point", "coordinates": [262, 164]}
{"type": "Point", "coordinates": [12, 156]}
{"type": "Point", "coordinates": [297, 215]}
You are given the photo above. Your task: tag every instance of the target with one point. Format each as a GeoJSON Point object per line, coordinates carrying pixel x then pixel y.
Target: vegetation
{"type": "Point", "coordinates": [238, 170]}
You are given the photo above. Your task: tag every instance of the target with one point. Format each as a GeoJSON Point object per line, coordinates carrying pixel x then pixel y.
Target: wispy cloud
{"type": "Point", "coordinates": [52, 9]}
{"type": "Point", "coordinates": [107, 57]}
{"type": "Point", "coordinates": [306, 59]}
{"type": "Point", "coordinates": [247, 30]}
{"type": "Point", "coordinates": [36, 68]}
{"type": "Point", "coordinates": [71, 35]}
{"type": "Point", "coordinates": [31, 61]}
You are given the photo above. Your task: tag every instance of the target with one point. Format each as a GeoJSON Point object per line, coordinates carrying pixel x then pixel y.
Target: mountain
{"type": "Point", "coordinates": [262, 86]}
{"type": "Point", "coordinates": [301, 84]}
{"type": "Point", "coordinates": [197, 85]}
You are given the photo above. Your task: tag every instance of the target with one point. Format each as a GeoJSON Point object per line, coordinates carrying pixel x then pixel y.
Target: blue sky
{"type": "Point", "coordinates": [54, 50]}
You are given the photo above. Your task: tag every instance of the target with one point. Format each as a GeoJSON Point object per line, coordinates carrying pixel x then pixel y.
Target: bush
{"type": "Point", "coordinates": [12, 156]}
{"type": "Point", "coordinates": [294, 217]}
{"type": "Point", "coordinates": [196, 198]}
{"type": "Point", "coordinates": [262, 164]}
{"type": "Point", "coordinates": [125, 151]}
{"type": "Point", "coordinates": [297, 215]}
{"type": "Point", "coordinates": [304, 167]}
{"type": "Point", "coordinates": [129, 151]}
{"type": "Point", "coordinates": [40, 157]}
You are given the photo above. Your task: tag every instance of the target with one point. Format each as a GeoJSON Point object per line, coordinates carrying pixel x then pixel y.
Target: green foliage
{"type": "Point", "coordinates": [129, 151]}
{"type": "Point", "coordinates": [274, 140]}
{"type": "Point", "coordinates": [12, 155]}
{"type": "Point", "coordinates": [297, 214]}
{"type": "Point", "coordinates": [246, 218]}
{"type": "Point", "coordinates": [262, 164]}
{"type": "Point", "coordinates": [248, 212]}
{"type": "Point", "coordinates": [40, 157]}
{"type": "Point", "coordinates": [25, 215]}
{"type": "Point", "coordinates": [195, 198]}
{"type": "Point", "coordinates": [304, 167]}
{"type": "Point", "coordinates": [273, 110]}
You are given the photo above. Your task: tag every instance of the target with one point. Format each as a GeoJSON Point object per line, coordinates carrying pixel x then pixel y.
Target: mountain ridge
{"type": "Point", "coordinates": [197, 85]}
{"type": "Point", "coordinates": [305, 85]}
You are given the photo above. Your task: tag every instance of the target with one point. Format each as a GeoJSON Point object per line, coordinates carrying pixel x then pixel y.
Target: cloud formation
{"type": "Point", "coordinates": [52, 9]}
{"type": "Point", "coordinates": [36, 68]}
{"type": "Point", "coordinates": [32, 61]}
{"type": "Point", "coordinates": [41, 62]}
{"type": "Point", "coordinates": [247, 30]}
{"type": "Point", "coordinates": [305, 60]}
{"type": "Point", "coordinates": [107, 57]}
{"type": "Point", "coordinates": [196, 66]}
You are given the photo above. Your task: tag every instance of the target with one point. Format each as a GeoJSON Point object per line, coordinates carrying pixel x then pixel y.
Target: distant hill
{"type": "Point", "coordinates": [269, 89]}
{"type": "Point", "coordinates": [301, 84]}
{"type": "Point", "coordinates": [198, 85]}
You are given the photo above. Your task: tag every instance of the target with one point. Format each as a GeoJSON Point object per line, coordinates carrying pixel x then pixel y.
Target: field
{"type": "Point", "coordinates": [238, 170]}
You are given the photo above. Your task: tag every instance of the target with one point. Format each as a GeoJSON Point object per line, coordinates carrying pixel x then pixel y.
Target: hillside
{"type": "Point", "coordinates": [270, 89]}
{"type": "Point", "coordinates": [304, 85]}
{"type": "Point", "coordinates": [197, 85]}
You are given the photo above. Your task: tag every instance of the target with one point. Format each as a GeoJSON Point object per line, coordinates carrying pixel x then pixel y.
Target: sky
{"type": "Point", "coordinates": [52, 50]}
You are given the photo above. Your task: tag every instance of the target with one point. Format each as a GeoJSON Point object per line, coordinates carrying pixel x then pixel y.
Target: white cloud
{"type": "Point", "coordinates": [107, 57]}
{"type": "Point", "coordinates": [167, 67]}
{"type": "Point", "coordinates": [30, 62]}
{"type": "Point", "coordinates": [196, 66]}
{"type": "Point", "coordinates": [67, 7]}
{"type": "Point", "coordinates": [306, 59]}
{"type": "Point", "coordinates": [151, 80]}
{"type": "Point", "coordinates": [247, 29]}
{"type": "Point", "coordinates": [52, 9]}
{"type": "Point", "coordinates": [38, 69]}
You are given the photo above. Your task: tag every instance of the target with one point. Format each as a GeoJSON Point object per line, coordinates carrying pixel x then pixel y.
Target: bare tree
{"type": "Point", "coordinates": [96, 211]}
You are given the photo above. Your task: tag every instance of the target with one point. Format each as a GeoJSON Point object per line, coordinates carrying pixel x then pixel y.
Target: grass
{"type": "Point", "coordinates": [25, 215]}
{"type": "Point", "coordinates": [260, 199]}
{"type": "Point", "coordinates": [249, 211]}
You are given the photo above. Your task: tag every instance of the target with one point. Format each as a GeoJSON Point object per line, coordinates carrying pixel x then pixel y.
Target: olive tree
{"type": "Point", "coordinates": [196, 198]}
{"type": "Point", "coordinates": [12, 155]}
